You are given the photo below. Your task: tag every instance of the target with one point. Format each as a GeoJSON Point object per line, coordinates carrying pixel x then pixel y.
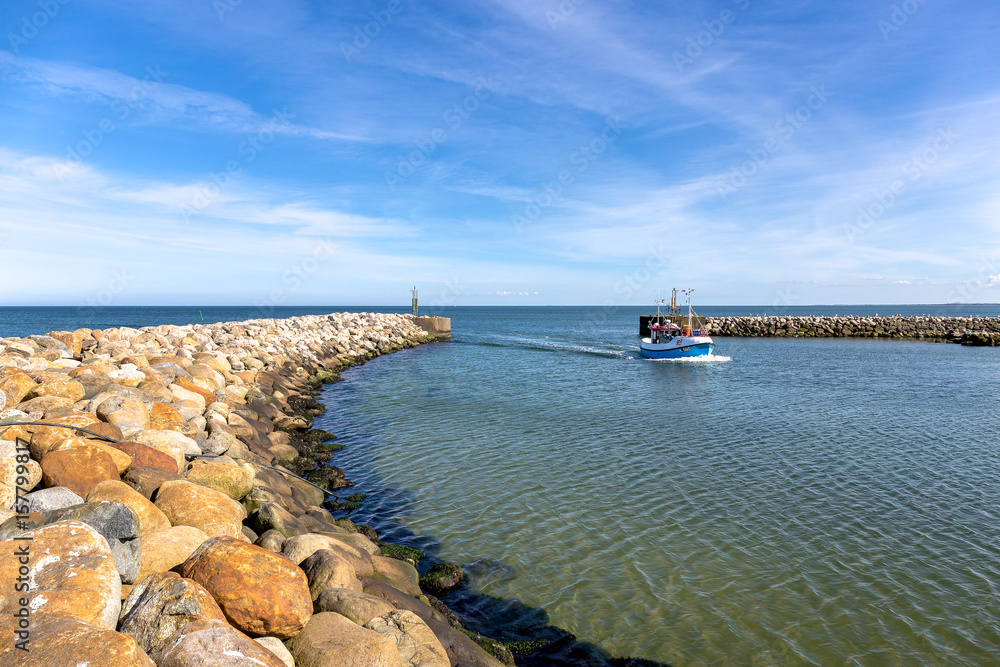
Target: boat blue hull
{"type": "Point", "coordinates": [699, 350]}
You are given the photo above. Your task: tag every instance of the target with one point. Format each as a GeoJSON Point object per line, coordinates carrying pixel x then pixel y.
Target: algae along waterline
{"type": "Point", "coordinates": [790, 501]}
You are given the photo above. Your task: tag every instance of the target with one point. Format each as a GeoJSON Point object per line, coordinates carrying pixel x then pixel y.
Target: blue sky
{"type": "Point", "coordinates": [498, 152]}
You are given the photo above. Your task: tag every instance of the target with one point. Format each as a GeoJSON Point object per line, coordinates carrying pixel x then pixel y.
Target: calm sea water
{"type": "Point", "coordinates": [28, 320]}
{"type": "Point", "coordinates": [815, 502]}
{"type": "Point", "coordinates": [805, 502]}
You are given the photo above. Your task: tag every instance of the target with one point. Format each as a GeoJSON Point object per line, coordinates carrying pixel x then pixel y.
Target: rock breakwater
{"type": "Point", "coordinates": [964, 330]}
{"type": "Point", "coordinates": [149, 514]}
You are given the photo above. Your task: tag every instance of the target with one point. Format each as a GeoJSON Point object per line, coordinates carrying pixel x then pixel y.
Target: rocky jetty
{"type": "Point", "coordinates": [150, 515]}
{"type": "Point", "coordinates": [964, 330]}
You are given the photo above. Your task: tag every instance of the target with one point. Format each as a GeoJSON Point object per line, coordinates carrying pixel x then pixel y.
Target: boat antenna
{"type": "Point", "coordinates": [688, 293]}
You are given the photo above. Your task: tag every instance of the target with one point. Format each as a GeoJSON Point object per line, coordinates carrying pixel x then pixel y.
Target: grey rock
{"type": "Point", "coordinates": [271, 516]}
{"type": "Point", "coordinates": [415, 641]}
{"type": "Point", "coordinates": [53, 498]}
{"type": "Point", "coordinates": [271, 540]}
{"type": "Point", "coordinates": [255, 395]}
{"type": "Point", "coordinates": [50, 343]}
{"type": "Point", "coordinates": [249, 534]}
{"type": "Point", "coordinates": [460, 648]}
{"type": "Point", "coordinates": [170, 371]}
{"type": "Point", "coordinates": [211, 642]}
{"type": "Point", "coordinates": [13, 415]}
{"type": "Point", "coordinates": [147, 480]}
{"type": "Point", "coordinates": [277, 647]}
{"type": "Point", "coordinates": [218, 442]}
{"type": "Point", "coordinates": [94, 384]}
{"type": "Point", "coordinates": [116, 523]}
{"type": "Point", "coordinates": [119, 391]}
{"type": "Point", "coordinates": [359, 607]}
{"type": "Point", "coordinates": [161, 604]}
{"type": "Point", "coordinates": [198, 422]}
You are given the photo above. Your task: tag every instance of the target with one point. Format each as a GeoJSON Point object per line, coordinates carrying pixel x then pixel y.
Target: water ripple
{"type": "Point", "coordinates": [812, 502]}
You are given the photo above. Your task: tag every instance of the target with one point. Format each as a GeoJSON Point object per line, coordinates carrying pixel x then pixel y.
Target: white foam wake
{"type": "Point", "coordinates": [700, 359]}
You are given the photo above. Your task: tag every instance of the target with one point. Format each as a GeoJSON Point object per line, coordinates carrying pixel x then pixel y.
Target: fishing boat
{"type": "Point", "coordinates": [668, 340]}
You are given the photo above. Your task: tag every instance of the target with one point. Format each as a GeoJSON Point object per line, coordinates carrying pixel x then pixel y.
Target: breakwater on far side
{"type": "Point", "coordinates": [964, 330]}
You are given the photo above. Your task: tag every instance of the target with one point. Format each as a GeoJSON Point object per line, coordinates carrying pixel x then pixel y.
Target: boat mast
{"type": "Point", "coordinates": [688, 292]}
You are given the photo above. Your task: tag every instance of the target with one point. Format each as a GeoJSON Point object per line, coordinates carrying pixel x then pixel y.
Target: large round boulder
{"type": "Point", "coordinates": [122, 460]}
{"type": "Point", "coordinates": [260, 592]}
{"type": "Point", "coordinates": [72, 571]}
{"type": "Point", "coordinates": [328, 569]}
{"type": "Point", "coordinates": [188, 504]}
{"type": "Point", "coordinates": [222, 474]}
{"type": "Point", "coordinates": [79, 469]}
{"type": "Point", "coordinates": [144, 456]}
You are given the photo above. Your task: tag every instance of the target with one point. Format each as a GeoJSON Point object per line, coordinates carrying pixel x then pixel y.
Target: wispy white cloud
{"type": "Point", "coordinates": [150, 93]}
{"type": "Point", "coordinates": [110, 208]}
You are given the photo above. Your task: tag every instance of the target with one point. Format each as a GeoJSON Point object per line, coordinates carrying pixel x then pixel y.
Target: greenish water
{"type": "Point", "coordinates": [813, 502]}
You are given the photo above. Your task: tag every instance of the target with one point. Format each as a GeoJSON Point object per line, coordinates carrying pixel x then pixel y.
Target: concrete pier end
{"type": "Point", "coordinates": [439, 327]}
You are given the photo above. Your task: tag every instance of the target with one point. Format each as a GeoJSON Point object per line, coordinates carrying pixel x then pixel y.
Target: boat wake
{"type": "Point", "coordinates": [701, 359]}
{"type": "Point", "coordinates": [553, 346]}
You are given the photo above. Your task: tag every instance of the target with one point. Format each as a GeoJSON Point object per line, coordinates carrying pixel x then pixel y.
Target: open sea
{"type": "Point", "coordinates": [788, 502]}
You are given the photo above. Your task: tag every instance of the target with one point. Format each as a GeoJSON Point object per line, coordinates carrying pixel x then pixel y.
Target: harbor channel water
{"type": "Point", "coordinates": [792, 501]}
